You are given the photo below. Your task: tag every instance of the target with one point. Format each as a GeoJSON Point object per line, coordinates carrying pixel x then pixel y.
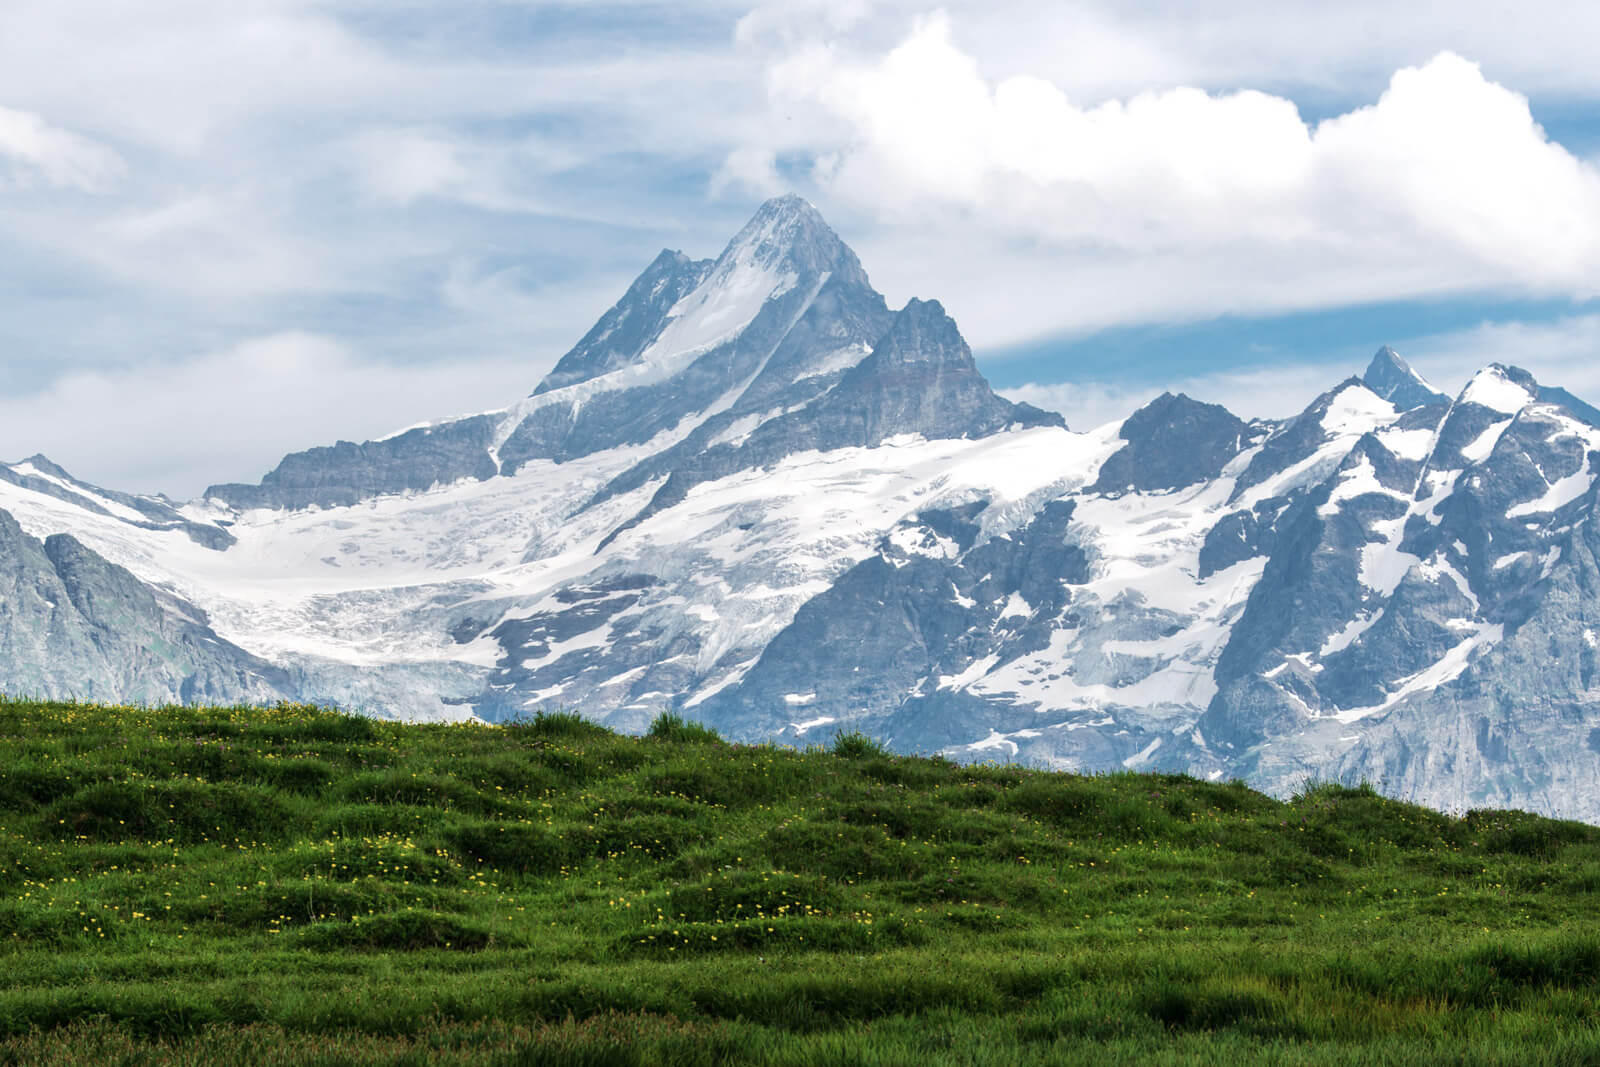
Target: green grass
{"type": "Point", "coordinates": [293, 886]}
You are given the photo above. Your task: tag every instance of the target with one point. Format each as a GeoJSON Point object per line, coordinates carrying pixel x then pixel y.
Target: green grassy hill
{"type": "Point", "coordinates": [294, 886]}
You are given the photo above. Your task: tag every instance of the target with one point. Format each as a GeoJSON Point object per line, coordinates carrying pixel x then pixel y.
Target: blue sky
{"type": "Point", "coordinates": [232, 230]}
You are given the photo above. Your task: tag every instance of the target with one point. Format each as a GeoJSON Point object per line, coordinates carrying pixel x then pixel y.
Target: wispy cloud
{"type": "Point", "coordinates": [36, 150]}
{"type": "Point", "coordinates": [232, 414]}
{"type": "Point", "coordinates": [1105, 49]}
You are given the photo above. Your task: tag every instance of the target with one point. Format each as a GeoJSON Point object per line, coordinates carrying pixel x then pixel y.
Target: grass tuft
{"type": "Point", "coordinates": [858, 746]}
{"type": "Point", "coordinates": [670, 727]}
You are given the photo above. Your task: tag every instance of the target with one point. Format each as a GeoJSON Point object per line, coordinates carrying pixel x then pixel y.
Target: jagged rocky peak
{"type": "Point", "coordinates": [1173, 442]}
{"type": "Point", "coordinates": [923, 333]}
{"type": "Point", "coordinates": [1392, 378]}
{"type": "Point", "coordinates": [680, 309]}
{"type": "Point", "coordinates": [43, 464]}
{"type": "Point", "coordinates": [686, 340]}
{"type": "Point", "coordinates": [1343, 413]}
{"type": "Point", "coordinates": [917, 377]}
{"type": "Point", "coordinates": [788, 231]}
{"type": "Point", "coordinates": [625, 331]}
{"type": "Point", "coordinates": [1505, 390]}
{"type": "Point", "coordinates": [1485, 406]}
{"type": "Point", "coordinates": [775, 265]}
{"type": "Point", "coordinates": [921, 378]}
{"type": "Point", "coordinates": [785, 244]}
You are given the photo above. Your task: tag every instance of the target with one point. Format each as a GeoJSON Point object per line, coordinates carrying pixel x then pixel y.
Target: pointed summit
{"type": "Point", "coordinates": [681, 305]}
{"type": "Point", "coordinates": [921, 378]}
{"type": "Point", "coordinates": [922, 334]}
{"type": "Point", "coordinates": [1393, 379]}
{"type": "Point", "coordinates": [787, 232]}
{"type": "Point", "coordinates": [784, 219]}
{"type": "Point", "coordinates": [1507, 389]}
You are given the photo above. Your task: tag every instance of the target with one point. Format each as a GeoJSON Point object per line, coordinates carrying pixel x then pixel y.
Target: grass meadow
{"type": "Point", "coordinates": [290, 886]}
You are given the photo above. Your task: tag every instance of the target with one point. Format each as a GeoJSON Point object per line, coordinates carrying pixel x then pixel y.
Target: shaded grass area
{"type": "Point", "coordinates": [294, 886]}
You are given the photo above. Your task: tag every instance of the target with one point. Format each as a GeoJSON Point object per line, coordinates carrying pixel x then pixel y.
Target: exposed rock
{"type": "Point", "coordinates": [1393, 379]}
{"type": "Point", "coordinates": [1173, 442]}
{"type": "Point", "coordinates": [39, 475]}
{"type": "Point", "coordinates": [74, 625]}
{"type": "Point", "coordinates": [347, 473]}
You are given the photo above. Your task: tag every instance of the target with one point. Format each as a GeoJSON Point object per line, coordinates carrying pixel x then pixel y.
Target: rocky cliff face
{"type": "Point", "coordinates": [1175, 442]}
{"type": "Point", "coordinates": [1393, 379]}
{"type": "Point", "coordinates": [756, 495]}
{"type": "Point", "coordinates": [346, 473]}
{"type": "Point", "coordinates": [73, 625]}
{"type": "Point", "coordinates": [623, 334]}
{"type": "Point", "coordinates": [1411, 596]}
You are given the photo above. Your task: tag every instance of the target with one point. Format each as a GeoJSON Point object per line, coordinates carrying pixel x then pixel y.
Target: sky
{"type": "Point", "coordinates": [234, 230]}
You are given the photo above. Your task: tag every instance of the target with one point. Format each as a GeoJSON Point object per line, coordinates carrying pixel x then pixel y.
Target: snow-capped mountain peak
{"type": "Point", "coordinates": [788, 231]}
{"type": "Point", "coordinates": [686, 342]}
{"type": "Point", "coordinates": [1500, 388]}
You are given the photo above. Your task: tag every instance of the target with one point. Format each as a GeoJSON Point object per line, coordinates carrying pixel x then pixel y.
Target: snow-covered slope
{"type": "Point", "coordinates": [756, 495]}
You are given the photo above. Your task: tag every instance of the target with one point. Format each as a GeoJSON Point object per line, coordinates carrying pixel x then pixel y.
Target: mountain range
{"type": "Point", "coordinates": [759, 497]}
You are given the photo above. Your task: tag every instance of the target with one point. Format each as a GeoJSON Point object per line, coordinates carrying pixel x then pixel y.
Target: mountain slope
{"type": "Point", "coordinates": [1393, 379]}
{"type": "Point", "coordinates": [73, 624]}
{"type": "Point", "coordinates": [1445, 557]}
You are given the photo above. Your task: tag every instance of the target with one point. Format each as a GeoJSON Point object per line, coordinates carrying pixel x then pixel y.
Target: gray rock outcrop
{"type": "Point", "coordinates": [74, 625]}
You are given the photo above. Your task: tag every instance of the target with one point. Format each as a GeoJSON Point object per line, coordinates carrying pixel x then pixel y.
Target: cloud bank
{"type": "Point", "coordinates": [1230, 201]}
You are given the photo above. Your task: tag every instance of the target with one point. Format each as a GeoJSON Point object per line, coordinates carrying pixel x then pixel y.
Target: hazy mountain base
{"type": "Point", "coordinates": [291, 886]}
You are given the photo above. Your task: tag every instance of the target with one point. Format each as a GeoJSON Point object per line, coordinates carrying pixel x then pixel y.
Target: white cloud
{"type": "Point", "coordinates": [401, 165]}
{"type": "Point", "coordinates": [1446, 176]}
{"type": "Point", "coordinates": [748, 171]}
{"type": "Point", "coordinates": [1101, 49]}
{"type": "Point", "coordinates": [335, 165]}
{"type": "Point", "coordinates": [1032, 211]}
{"type": "Point", "coordinates": [231, 415]}
{"type": "Point", "coordinates": [37, 150]}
